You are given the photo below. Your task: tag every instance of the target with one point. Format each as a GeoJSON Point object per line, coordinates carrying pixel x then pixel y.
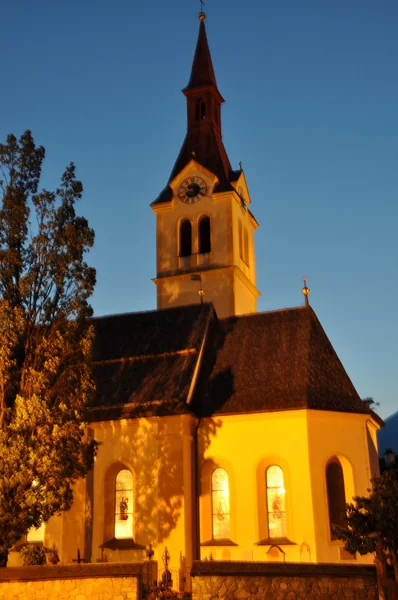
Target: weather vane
{"type": "Point", "coordinates": [201, 5]}
{"type": "Point", "coordinates": [306, 292]}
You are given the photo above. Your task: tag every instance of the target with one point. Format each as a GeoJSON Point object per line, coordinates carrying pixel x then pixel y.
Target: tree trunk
{"type": "Point", "coordinates": [395, 563]}
{"type": "Point", "coordinates": [3, 556]}
{"type": "Point", "coordinates": [380, 562]}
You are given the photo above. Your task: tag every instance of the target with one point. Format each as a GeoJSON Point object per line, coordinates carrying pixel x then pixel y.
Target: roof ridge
{"type": "Point", "coordinates": [267, 312]}
{"type": "Point", "coordinates": [110, 361]}
{"type": "Point", "coordinates": [146, 312]}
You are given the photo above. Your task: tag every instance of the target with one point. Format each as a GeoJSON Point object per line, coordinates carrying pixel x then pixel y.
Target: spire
{"type": "Point", "coordinates": [203, 140]}
{"type": "Point", "coordinates": [202, 67]}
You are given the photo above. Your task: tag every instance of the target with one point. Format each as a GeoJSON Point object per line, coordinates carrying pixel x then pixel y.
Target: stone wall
{"type": "Point", "coordinates": [282, 581]}
{"type": "Point", "coordinates": [77, 582]}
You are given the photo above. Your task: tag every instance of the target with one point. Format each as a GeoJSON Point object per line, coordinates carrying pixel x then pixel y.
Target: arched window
{"type": "Point", "coordinates": [185, 238]}
{"type": "Point", "coordinates": [124, 505]}
{"type": "Point", "coordinates": [240, 240]}
{"type": "Point", "coordinates": [276, 507]}
{"type": "Point", "coordinates": [204, 235]}
{"type": "Point", "coordinates": [246, 246]}
{"type": "Point", "coordinates": [200, 110]}
{"type": "Point", "coordinates": [220, 504]}
{"type": "Point", "coordinates": [336, 495]}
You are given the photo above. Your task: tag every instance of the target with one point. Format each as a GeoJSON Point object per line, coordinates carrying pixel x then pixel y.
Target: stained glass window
{"type": "Point", "coordinates": [35, 535]}
{"type": "Point", "coordinates": [220, 504]}
{"type": "Point", "coordinates": [124, 505]}
{"type": "Point", "coordinates": [276, 507]}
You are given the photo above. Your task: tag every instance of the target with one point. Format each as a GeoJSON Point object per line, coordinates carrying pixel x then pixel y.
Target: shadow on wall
{"type": "Point", "coordinates": [153, 451]}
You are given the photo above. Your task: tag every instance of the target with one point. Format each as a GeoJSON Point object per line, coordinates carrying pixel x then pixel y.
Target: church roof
{"type": "Point", "coordinates": [205, 145]}
{"type": "Point", "coordinates": [278, 360]}
{"type": "Point", "coordinates": [146, 364]}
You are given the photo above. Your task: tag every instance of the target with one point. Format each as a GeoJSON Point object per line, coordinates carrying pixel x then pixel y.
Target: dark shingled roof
{"type": "Point", "coordinates": [144, 364]}
{"type": "Point", "coordinates": [202, 72]}
{"type": "Point", "coordinates": [277, 360]}
{"type": "Point", "coordinates": [209, 151]}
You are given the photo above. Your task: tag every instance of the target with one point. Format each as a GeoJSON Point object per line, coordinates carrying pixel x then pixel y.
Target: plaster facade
{"type": "Point", "coordinates": [300, 442]}
{"type": "Point", "coordinates": [228, 275]}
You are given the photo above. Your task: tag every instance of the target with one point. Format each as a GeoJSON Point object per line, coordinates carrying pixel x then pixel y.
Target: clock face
{"type": "Point", "coordinates": [192, 190]}
{"type": "Point", "coordinates": [242, 199]}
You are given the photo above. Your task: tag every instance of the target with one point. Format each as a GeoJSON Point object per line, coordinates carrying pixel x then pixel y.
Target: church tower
{"type": "Point", "coordinates": [204, 226]}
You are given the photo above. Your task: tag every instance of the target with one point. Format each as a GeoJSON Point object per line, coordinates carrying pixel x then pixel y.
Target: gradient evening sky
{"type": "Point", "coordinates": [311, 93]}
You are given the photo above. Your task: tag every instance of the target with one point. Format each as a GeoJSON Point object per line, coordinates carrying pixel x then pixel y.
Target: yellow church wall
{"type": "Point", "coordinates": [246, 445]}
{"type": "Point", "coordinates": [71, 526]}
{"type": "Point", "coordinates": [301, 443]}
{"type": "Point", "coordinates": [217, 285]}
{"type": "Point", "coordinates": [344, 436]}
{"type": "Point", "coordinates": [66, 532]}
{"type": "Point", "coordinates": [156, 451]}
{"type": "Point", "coordinates": [242, 222]}
{"type": "Point", "coordinates": [245, 295]}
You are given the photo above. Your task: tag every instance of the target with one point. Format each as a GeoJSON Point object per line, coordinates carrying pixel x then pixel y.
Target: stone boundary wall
{"type": "Point", "coordinates": [282, 581]}
{"type": "Point", "coordinates": [106, 581]}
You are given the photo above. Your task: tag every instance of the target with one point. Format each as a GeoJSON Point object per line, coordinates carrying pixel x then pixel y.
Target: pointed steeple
{"type": "Point", "coordinates": [203, 140]}
{"type": "Point", "coordinates": [202, 72]}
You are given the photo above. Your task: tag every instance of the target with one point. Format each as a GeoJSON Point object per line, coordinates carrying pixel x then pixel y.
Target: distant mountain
{"type": "Point", "coordinates": [388, 436]}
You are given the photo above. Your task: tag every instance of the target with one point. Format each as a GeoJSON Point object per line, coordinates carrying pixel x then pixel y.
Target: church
{"type": "Point", "coordinates": [223, 433]}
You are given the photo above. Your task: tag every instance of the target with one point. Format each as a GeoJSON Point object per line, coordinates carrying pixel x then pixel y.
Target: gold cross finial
{"type": "Point", "coordinates": [306, 292]}
{"type": "Point", "coordinates": [202, 15]}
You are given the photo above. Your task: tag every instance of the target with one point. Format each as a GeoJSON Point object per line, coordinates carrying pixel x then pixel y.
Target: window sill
{"type": "Point", "coordinates": [126, 544]}
{"type": "Point", "coordinates": [275, 542]}
{"type": "Point", "coordinates": [221, 542]}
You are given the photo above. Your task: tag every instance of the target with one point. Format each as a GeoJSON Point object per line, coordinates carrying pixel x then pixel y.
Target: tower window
{"type": "Point", "coordinates": [200, 110]}
{"type": "Point", "coordinates": [240, 228]}
{"type": "Point", "coordinates": [220, 504]}
{"type": "Point", "coordinates": [185, 238]}
{"type": "Point", "coordinates": [336, 495]}
{"type": "Point", "coordinates": [246, 246]}
{"type": "Point", "coordinates": [204, 235]}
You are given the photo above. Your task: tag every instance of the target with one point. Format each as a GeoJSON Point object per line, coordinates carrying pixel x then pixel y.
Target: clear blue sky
{"type": "Point", "coordinates": [311, 110]}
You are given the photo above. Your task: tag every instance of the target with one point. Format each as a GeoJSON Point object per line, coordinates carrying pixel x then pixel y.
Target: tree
{"type": "Point", "coordinates": [370, 402]}
{"type": "Point", "coordinates": [45, 341]}
{"type": "Point", "coordinates": [372, 522]}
